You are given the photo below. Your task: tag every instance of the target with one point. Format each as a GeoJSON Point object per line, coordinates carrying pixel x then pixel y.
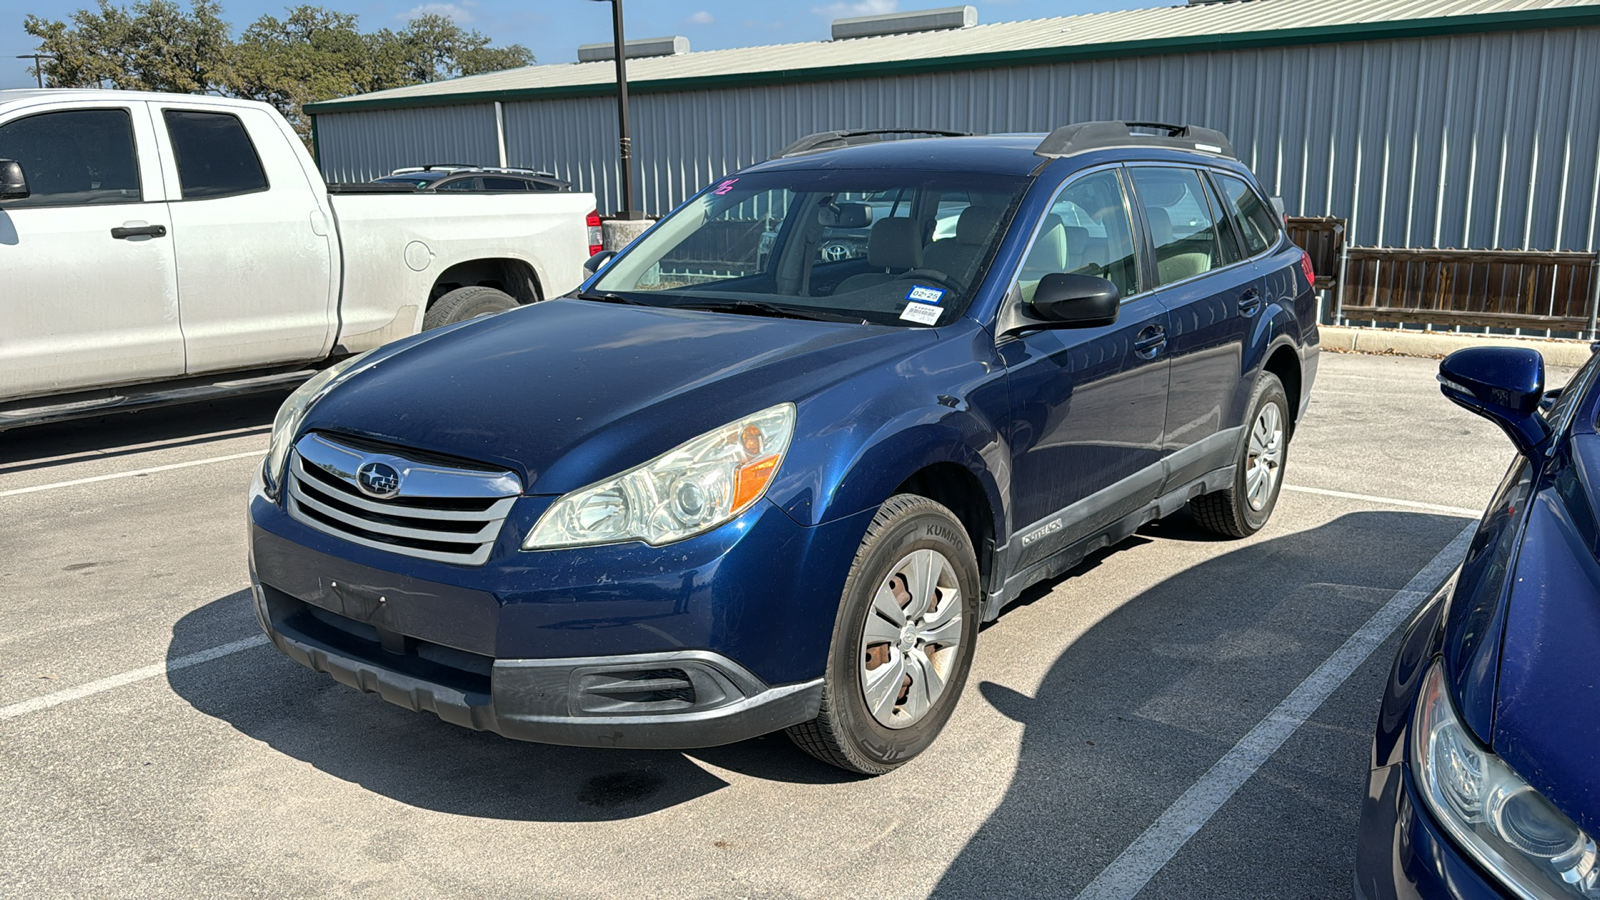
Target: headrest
{"type": "Point", "coordinates": [894, 244]}
{"type": "Point", "coordinates": [1049, 252]}
{"type": "Point", "coordinates": [977, 224]}
{"type": "Point", "coordinates": [1160, 225]}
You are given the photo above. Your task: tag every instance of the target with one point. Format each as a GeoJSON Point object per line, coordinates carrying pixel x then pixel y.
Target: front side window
{"type": "Point", "coordinates": [1256, 222]}
{"type": "Point", "coordinates": [1183, 230]}
{"type": "Point", "coordinates": [74, 157]}
{"type": "Point", "coordinates": [214, 155]}
{"type": "Point", "coordinates": [1087, 231]}
{"type": "Point", "coordinates": [462, 184]}
{"type": "Point", "coordinates": [886, 247]}
{"type": "Point", "coordinates": [504, 184]}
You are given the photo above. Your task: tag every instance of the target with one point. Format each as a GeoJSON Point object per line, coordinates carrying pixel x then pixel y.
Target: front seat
{"type": "Point", "coordinates": [958, 257]}
{"type": "Point", "coordinates": [1173, 261]}
{"type": "Point", "coordinates": [892, 245]}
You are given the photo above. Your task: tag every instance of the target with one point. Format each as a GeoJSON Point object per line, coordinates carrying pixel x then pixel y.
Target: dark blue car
{"type": "Point", "coordinates": [735, 484]}
{"type": "Point", "coordinates": [1486, 767]}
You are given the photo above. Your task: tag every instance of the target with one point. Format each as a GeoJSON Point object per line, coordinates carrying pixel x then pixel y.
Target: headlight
{"type": "Point", "coordinates": [1507, 826]}
{"type": "Point", "coordinates": [687, 490]}
{"type": "Point", "coordinates": [291, 414]}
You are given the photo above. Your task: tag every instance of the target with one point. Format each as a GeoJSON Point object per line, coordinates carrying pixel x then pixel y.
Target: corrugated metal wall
{"type": "Point", "coordinates": [1483, 141]}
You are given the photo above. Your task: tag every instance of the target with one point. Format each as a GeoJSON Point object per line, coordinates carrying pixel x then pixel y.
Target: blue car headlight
{"type": "Point", "coordinates": [690, 489]}
{"type": "Point", "coordinates": [290, 416]}
{"type": "Point", "coordinates": [1517, 835]}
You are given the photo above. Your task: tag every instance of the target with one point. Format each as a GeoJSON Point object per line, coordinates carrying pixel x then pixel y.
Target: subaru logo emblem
{"type": "Point", "coordinates": [377, 479]}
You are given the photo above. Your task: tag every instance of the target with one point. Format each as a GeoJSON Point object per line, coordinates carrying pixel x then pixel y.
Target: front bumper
{"type": "Point", "coordinates": [709, 641]}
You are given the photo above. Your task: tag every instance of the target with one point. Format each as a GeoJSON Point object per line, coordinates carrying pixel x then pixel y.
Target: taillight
{"type": "Point", "coordinates": [596, 243]}
{"type": "Point", "coordinates": [1305, 265]}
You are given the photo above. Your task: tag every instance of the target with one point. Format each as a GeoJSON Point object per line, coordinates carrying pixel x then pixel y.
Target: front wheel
{"type": "Point", "coordinates": [902, 642]}
{"type": "Point", "coordinates": [1245, 506]}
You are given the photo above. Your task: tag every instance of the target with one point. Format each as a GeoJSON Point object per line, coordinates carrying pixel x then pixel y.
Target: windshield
{"type": "Point", "coordinates": [887, 247]}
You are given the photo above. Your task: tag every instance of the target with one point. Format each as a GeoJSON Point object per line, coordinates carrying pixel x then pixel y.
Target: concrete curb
{"type": "Point", "coordinates": [1438, 345]}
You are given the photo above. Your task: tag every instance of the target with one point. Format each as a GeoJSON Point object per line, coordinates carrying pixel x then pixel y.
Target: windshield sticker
{"type": "Point", "coordinates": [724, 187]}
{"type": "Point", "coordinates": [925, 294]}
{"type": "Point", "coordinates": [921, 313]}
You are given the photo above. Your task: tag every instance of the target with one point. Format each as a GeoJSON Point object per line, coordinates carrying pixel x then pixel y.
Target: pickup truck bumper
{"type": "Point", "coordinates": [581, 648]}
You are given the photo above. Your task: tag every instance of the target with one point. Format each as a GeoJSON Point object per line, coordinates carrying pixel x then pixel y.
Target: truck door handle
{"type": "Point", "coordinates": [124, 232]}
{"type": "Point", "coordinates": [1150, 341]}
{"type": "Point", "coordinates": [1250, 302]}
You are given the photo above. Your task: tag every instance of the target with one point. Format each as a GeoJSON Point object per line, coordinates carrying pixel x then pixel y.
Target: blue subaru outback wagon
{"type": "Point", "coordinates": [736, 484]}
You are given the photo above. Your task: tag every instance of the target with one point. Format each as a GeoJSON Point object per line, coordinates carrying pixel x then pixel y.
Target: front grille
{"type": "Point", "coordinates": [439, 512]}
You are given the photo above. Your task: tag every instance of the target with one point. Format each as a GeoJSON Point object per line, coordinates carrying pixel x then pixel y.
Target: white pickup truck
{"type": "Point", "coordinates": [166, 247]}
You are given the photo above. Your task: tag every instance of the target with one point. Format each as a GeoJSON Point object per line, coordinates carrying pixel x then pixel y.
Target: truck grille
{"type": "Point", "coordinates": [425, 509]}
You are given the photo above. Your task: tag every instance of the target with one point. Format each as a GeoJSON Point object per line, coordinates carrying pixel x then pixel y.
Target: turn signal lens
{"type": "Point", "coordinates": [752, 481]}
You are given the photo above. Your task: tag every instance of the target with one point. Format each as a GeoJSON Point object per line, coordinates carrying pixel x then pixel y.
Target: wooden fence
{"type": "Point", "coordinates": [1527, 289]}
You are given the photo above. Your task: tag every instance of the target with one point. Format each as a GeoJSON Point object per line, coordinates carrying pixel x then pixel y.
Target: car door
{"type": "Point", "coordinates": [88, 285]}
{"type": "Point", "coordinates": [255, 277]}
{"type": "Point", "coordinates": [1211, 295]}
{"type": "Point", "coordinates": [1088, 404]}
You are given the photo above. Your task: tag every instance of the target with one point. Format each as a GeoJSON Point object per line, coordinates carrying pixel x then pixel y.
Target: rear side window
{"type": "Point", "coordinates": [74, 157]}
{"type": "Point", "coordinates": [1182, 227]}
{"type": "Point", "coordinates": [214, 155]}
{"type": "Point", "coordinates": [504, 184]}
{"type": "Point", "coordinates": [461, 184]}
{"type": "Point", "coordinates": [1256, 222]}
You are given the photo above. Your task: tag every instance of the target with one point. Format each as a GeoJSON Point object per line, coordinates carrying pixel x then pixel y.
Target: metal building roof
{"type": "Point", "coordinates": [1139, 32]}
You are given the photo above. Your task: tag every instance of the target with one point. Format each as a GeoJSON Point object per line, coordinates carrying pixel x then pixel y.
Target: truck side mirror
{"type": "Point", "coordinates": [1504, 385]}
{"type": "Point", "coordinates": [13, 184]}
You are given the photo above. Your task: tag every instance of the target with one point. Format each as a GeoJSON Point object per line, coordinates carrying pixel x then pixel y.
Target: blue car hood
{"type": "Point", "coordinates": [1546, 725]}
{"type": "Point", "coordinates": [567, 392]}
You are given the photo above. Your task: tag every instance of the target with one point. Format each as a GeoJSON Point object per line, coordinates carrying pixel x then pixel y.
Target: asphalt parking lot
{"type": "Point", "coordinates": [1176, 685]}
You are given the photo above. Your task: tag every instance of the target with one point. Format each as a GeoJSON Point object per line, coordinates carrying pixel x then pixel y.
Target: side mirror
{"type": "Point", "coordinates": [594, 263]}
{"type": "Point", "coordinates": [1504, 385]}
{"type": "Point", "coordinates": [13, 184]}
{"type": "Point", "coordinates": [1078, 301]}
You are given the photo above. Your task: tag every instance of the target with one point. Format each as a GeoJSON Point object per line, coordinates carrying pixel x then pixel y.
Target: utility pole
{"type": "Point", "coordinates": [625, 144]}
{"type": "Point", "coordinates": [38, 65]}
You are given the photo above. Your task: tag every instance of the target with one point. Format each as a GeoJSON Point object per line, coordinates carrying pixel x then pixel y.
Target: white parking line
{"type": "Point", "coordinates": [1136, 865]}
{"type": "Point", "coordinates": [115, 475]}
{"type": "Point", "coordinates": [1386, 501]}
{"type": "Point", "coordinates": [129, 677]}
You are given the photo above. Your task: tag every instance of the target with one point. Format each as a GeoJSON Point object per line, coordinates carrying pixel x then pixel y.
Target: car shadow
{"type": "Point", "coordinates": [1144, 702]}
{"type": "Point", "coordinates": [131, 433]}
{"type": "Point", "coordinates": [418, 760]}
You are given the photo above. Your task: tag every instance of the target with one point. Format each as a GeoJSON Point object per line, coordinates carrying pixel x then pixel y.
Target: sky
{"type": "Point", "coordinates": [553, 29]}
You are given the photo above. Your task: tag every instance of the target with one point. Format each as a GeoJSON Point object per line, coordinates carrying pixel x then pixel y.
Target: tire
{"type": "Point", "coordinates": [466, 303]}
{"type": "Point", "coordinates": [1237, 512]}
{"type": "Point", "coordinates": [907, 534]}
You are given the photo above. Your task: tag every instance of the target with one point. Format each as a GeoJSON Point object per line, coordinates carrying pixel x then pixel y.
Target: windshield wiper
{"type": "Point", "coordinates": [612, 298]}
{"type": "Point", "coordinates": [757, 308]}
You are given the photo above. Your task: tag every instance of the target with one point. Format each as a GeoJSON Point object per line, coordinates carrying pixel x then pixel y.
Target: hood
{"type": "Point", "coordinates": [1548, 691]}
{"type": "Point", "coordinates": [566, 392]}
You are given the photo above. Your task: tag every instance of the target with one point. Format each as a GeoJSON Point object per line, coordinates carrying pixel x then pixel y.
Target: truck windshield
{"type": "Point", "coordinates": [888, 247]}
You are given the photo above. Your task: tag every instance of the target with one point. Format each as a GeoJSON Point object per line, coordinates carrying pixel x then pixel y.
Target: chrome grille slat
{"type": "Point", "coordinates": [322, 493]}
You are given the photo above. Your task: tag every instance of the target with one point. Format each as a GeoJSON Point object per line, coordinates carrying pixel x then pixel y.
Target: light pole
{"type": "Point", "coordinates": [625, 144]}
{"type": "Point", "coordinates": [38, 65]}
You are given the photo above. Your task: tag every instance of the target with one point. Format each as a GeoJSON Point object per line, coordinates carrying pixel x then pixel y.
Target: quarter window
{"type": "Point", "coordinates": [1182, 227]}
{"type": "Point", "coordinates": [74, 157]}
{"type": "Point", "coordinates": [1256, 222]}
{"type": "Point", "coordinates": [214, 155]}
{"type": "Point", "coordinates": [1086, 231]}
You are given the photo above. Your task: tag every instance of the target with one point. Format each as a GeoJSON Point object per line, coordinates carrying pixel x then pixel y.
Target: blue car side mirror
{"type": "Point", "coordinates": [1504, 385]}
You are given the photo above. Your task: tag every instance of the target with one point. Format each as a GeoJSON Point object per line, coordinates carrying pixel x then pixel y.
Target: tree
{"type": "Point", "coordinates": [310, 54]}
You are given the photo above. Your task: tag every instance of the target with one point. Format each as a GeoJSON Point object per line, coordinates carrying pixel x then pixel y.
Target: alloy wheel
{"type": "Point", "coordinates": [1264, 463]}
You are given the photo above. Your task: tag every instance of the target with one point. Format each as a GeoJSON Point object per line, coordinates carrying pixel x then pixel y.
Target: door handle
{"type": "Point", "coordinates": [1249, 302]}
{"type": "Point", "coordinates": [124, 232]}
{"type": "Point", "coordinates": [1150, 341]}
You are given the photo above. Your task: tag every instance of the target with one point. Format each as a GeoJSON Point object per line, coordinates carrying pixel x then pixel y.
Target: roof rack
{"type": "Point", "coordinates": [833, 140]}
{"type": "Point", "coordinates": [1084, 136]}
{"type": "Point", "coordinates": [467, 167]}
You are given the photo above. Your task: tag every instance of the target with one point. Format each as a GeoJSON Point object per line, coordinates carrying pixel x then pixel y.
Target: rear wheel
{"type": "Point", "coordinates": [466, 303]}
{"type": "Point", "coordinates": [902, 642]}
{"type": "Point", "coordinates": [1244, 508]}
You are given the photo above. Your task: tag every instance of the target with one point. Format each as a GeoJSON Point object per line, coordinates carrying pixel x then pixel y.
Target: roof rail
{"type": "Point", "coordinates": [1084, 136]}
{"type": "Point", "coordinates": [833, 140]}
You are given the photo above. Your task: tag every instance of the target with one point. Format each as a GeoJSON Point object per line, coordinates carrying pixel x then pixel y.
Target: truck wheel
{"type": "Point", "coordinates": [902, 642]}
{"type": "Point", "coordinates": [466, 303]}
{"type": "Point", "coordinates": [1245, 507]}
